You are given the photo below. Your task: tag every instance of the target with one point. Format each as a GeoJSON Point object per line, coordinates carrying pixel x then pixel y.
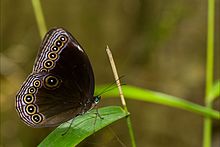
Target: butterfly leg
{"type": "Point", "coordinates": [66, 131]}
{"type": "Point", "coordinates": [97, 113]}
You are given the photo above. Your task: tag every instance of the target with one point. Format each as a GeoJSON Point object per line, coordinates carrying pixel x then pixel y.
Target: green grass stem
{"type": "Point", "coordinates": [207, 130]}
{"type": "Point", "coordinates": [39, 17]}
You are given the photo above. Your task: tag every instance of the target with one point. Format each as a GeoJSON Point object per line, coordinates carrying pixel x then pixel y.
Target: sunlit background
{"type": "Point", "coordinates": [158, 45]}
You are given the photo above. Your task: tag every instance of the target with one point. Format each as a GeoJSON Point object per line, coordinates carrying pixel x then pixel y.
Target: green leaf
{"type": "Point", "coordinates": [145, 95]}
{"type": "Point", "coordinates": [215, 91]}
{"type": "Point", "coordinates": [83, 126]}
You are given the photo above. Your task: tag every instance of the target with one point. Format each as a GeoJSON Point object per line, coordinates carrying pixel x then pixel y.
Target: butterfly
{"type": "Point", "coordinates": [61, 84]}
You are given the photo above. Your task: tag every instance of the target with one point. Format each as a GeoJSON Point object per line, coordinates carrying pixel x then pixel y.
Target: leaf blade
{"type": "Point", "coordinates": [136, 93]}
{"type": "Point", "coordinates": [83, 127]}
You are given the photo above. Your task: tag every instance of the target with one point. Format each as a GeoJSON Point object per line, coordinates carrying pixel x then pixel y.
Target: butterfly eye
{"type": "Point", "coordinates": [48, 64]}
{"type": "Point", "coordinates": [28, 98]}
{"type": "Point", "coordinates": [55, 48]}
{"type": "Point", "coordinates": [52, 56]}
{"type": "Point", "coordinates": [37, 118]}
{"type": "Point", "coordinates": [31, 109]}
{"type": "Point", "coordinates": [51, 82]}
{"type": "Point", "coordinates": [37, 83]}
{"type": "Point", "coordinates": [32, 90]}
{"type": "Point", "coordinates": [97, 99]}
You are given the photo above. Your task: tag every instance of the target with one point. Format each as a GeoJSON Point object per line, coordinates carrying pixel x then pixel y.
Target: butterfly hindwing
{"type": "Point", "coordinates": [26, 98]}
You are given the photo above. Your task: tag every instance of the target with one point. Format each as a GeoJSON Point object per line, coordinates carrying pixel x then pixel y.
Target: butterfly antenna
{"type": "Point", "coordinates": [111, 86]}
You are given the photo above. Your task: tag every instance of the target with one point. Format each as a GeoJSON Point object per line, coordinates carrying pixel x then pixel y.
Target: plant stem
{"type": "Point", "coordinates": [131, 132]}
{"type": "Point", "coordinates": [39, 17]}
{"type": "Point", "coordinates": [209, 71]}
{"type": "Point", "coordinates": [116, 78]}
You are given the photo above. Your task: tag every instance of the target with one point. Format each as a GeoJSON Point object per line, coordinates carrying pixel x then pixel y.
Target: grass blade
{"type": "Point", "coordinates": [145, 95]}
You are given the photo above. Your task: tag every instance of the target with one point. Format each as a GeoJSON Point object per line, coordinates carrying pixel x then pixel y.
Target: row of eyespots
{"type": "Point", "coordinates": [50, 82]}
{"type": "Point", "coordinates": [58, 44]}
{"type": "Point", "coordinates": [29, 98]}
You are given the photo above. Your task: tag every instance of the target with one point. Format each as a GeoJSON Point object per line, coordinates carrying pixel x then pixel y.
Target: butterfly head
{"type": "Point", "coordinates": [97, 99]}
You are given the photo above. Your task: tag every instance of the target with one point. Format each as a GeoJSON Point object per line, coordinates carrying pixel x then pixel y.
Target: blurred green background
{"type": "Point", "coordinates": [158, 45]}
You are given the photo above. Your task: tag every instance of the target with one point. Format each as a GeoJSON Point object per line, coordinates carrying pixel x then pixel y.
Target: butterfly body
{"type": "Point", "coordinates": [61, 85]}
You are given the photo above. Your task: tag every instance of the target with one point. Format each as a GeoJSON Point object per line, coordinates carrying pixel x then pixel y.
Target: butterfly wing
{"type": "Point", "coordinates": [61, 53]}
{"type": "Point", "coordinates": [66, 82]}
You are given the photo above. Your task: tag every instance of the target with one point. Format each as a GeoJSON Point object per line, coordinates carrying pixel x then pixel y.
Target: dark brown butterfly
{"type": "Point", "coordinates": [61, 85]}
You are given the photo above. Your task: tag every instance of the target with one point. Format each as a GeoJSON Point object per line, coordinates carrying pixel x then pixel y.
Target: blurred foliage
{"type": "Point", "coordinates": [157, 45]}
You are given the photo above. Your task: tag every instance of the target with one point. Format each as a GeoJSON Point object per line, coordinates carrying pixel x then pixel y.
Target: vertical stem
{"type": "Point", "coordinates": [209, 71]}
{"type": "Point", "coordinates": [39, 17]}
{"type": "Point", "coordinates": [131, 132]}
{"type": "Point", "coordinates": [116, 78]}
